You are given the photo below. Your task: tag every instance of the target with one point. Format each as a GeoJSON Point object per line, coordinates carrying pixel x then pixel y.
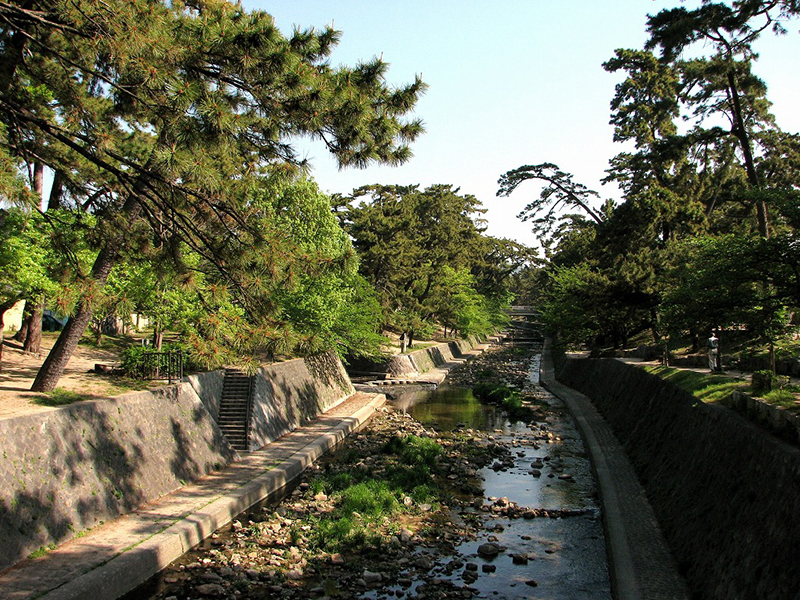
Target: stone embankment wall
{"type": "Point", "coordinates": [70, 469]}
{"type": "Point", "coordinates": [287, 395]}
{"type": "Point", "coordinates": [421, 361]}
{"type": "Point", "coordinates": [722, 489]}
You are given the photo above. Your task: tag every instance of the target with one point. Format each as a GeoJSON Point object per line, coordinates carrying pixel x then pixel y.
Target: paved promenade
{"type": "Point", "coordinates": [642, 567]}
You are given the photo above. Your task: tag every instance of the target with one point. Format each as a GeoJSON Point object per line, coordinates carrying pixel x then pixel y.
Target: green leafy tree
{"type": "Point", "coordinates": [722, 83]}
{"type": "Point", "coordinates": [407, 238]}
{"type": "Point", "coordinates": [25, 262]}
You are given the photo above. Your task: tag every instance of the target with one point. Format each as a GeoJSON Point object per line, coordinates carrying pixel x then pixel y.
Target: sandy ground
{"type": "Point", "coordinates": [18, 370]}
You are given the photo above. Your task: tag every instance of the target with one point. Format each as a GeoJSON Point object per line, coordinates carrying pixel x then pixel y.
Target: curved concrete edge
{"type": "Point", "coordinates": [130, 569]}
{"type": "Point", "coordinates": [619, 491]}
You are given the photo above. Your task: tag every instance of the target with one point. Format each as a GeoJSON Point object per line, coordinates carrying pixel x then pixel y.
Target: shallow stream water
{"type": "Point", "coordinates": [556, 558]}
{"type": "Point", "coordinates": [566, 557]}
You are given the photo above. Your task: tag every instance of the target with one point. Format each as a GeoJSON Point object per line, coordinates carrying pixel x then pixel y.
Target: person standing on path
{"type": "Point", "coordinates": [713, 352]}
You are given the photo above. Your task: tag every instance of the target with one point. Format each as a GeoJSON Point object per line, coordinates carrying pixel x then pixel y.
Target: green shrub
{"type": "Point", "coordinates": [140, 362]}
{"type": "Point", "coordinates": [764, 381]}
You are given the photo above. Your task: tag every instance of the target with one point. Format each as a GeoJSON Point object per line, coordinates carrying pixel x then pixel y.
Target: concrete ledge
{"type": "Point", "coordinates": [640, 563]}
{"type": "Point", "coordinates": [422, 361]}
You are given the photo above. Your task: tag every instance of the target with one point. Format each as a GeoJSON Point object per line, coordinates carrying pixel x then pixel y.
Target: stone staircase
{"type": "Point", "coordinates": [234, 408]}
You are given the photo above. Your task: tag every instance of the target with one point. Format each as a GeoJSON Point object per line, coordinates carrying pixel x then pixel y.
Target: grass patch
{"type": "Point", "coordinates": [42, 551]}
{"type": "Point", "coordinates": [371, 498]}
{"type": "Point", "coordinates": [367, 508]}
{"type": "Point", "coordinates": [706, 387]}
{"type": "Point", "coordinates": [787, 398]}
{"type": "Point", "coordinates": [59, 397]}
{"type": "Point", "coordinates": [414, 450]}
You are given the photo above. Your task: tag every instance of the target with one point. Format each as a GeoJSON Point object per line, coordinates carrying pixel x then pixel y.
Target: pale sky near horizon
{"type": "Point", "coordinates": [512, 82]}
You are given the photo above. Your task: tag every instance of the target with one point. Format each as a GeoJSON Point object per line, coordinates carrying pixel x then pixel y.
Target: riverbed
{"type": "Point", "coordinates": [519, 517]}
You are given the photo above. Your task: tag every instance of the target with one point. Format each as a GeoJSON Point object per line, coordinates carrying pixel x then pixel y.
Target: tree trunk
{"type": "Point", "coordinates": [38, 183]}
{"type": "Point", "coordinates": [54, 201]}
{"type": "Point", "coordinates": [56, 361]}
{"type": "Point", "coordinates": [33, 339]}
{"type": "Point", "coordinates": [749, 164]}
{"type": "Point", "coordinates": [22, 334]}
{"type": "Point", "coordinates": [158, 338]}
{"type": "Point", "coordinates": [772, 365]}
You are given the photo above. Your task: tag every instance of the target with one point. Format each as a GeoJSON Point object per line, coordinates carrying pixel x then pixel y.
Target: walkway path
{"type": "Point", "coordinates": [642, 567]}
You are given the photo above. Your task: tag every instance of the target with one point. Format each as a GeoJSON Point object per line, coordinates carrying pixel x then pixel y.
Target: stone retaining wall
{"type": "Point", "coordinates": [67, 470]}
{"type": "Point", "coordinates": [421, 361]}
{"type": "Point", "coordinates": [288, 394]}
{"type": "Point", "coordinates": [782, 421]}
{"type": "Point", "coordinates": [722, 489]}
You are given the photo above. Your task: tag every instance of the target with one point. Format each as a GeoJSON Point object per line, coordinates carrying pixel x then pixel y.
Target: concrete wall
{"type": "Point", "coordinates": [288, 394]}
{"type": "Point", "coordinates": [422, 361]}
{"type": "Point", "coordinates": [208, 387]}
{"type": "Point", "coordinates": [66, 470]}
{"type": "Point", "coordinates": [723, 490]}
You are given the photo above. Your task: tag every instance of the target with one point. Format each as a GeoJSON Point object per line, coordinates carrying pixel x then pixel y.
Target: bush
{"type": "Point", "coordinates": [766, 380]}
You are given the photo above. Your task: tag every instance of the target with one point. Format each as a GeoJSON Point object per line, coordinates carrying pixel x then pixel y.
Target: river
{"type": "Point", "coordinates": [536, 506]}
{"type": "Point", "coordinates": [566, 557]}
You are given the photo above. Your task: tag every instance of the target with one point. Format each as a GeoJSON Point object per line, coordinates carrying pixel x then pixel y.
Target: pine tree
{"type": "Point", "coordinates": [163, 114]}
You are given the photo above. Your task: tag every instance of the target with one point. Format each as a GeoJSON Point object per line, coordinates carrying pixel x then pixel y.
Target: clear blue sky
{"type": "Point", "coordinates": [512, 82]}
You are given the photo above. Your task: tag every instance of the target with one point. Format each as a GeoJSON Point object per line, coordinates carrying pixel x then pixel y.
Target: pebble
{"type": "Point", "coordinates": [371, 577]}
{"type": "Point", "coordinates": [489, 550]}
{"type": "Point", "coordinates": [294, 574]}
{"type": "Point", "coordinates": [210, 589]}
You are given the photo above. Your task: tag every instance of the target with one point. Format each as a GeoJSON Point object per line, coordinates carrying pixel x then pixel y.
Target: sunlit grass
{"type": "Point", "coordinates": [59, 397]}
{"type": "Point", "coordinates": [787, 398]}
{"type": "Point", "coordinates": [367, 508]}
{"type": "Point", "coordinates": [706, 387]}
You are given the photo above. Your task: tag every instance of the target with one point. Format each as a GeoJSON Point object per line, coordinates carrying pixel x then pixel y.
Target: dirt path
{"type": "Point", "coordinates": [19, 369]}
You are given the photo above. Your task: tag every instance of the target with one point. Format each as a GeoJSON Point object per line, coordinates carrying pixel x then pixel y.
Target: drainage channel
{"type": "Point", "coordinates": [532, 530]}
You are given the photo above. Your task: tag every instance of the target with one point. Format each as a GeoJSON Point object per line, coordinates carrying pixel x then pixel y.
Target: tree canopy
{"type": "Point", "coordinates": [703, 235]}
{"type": "Point", "coordinates": [162, 118]}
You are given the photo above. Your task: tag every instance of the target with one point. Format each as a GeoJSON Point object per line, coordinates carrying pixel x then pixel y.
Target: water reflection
{"type": "Point", "coordinates": [448, 408]}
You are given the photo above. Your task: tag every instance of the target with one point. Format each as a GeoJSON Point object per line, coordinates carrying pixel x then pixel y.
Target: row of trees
{"type": "Point", "coordinates": [707, 232]}
{"type": "Point", "coordinates": [168, 129]}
